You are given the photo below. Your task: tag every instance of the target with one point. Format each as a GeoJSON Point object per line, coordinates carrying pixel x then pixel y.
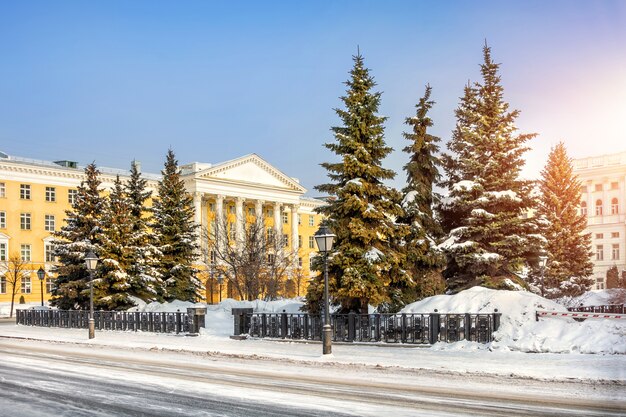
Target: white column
{"type": "Point", "coordinates": [197, 205]}
{"type": "Point", "coordinates": [221, 235]}
{"type": "Point", "coordinates": [278, 228]}
{"type": "Point", "coordinates": [240, 219]}
{"type": "Point", "coordinates": [258, 210]}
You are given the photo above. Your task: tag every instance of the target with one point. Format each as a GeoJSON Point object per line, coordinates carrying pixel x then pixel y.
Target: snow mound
{"type": "Point", "coordinates": [520, 331]}
{"type": "Point", "coordinates": [596, 298]}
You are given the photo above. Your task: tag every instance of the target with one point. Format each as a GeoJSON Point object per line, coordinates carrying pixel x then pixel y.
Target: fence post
{"type": "Point", "coordinates": [403, 325]}
{"type": "Point", "coordinates": [283, 324]}
{"type": "Point", "coordinates": [496, 319]}
{"type": "Point", "coordinates": [467, 328]}
{"type": "Point", "coordinates": [433, 327]}
{"type": "Point", "coordinates": [377, 327]}
{"type": "Point", "coordinates": [351, 326]}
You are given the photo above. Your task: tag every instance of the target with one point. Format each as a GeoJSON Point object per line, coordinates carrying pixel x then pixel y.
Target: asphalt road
{"type": "Point", "coordinates": [45, 379]}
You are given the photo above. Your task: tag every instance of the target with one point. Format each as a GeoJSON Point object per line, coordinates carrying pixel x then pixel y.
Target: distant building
{"type": "Point", "coordinates": [603, 202]}
{"type": "Point", "coordinates": [34, 196]}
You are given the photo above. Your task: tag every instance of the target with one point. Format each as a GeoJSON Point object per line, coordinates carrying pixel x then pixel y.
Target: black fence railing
{"type": "Point", "coordinates": [610, 308]}
{"type": "Point", "coordinates": [107, 320]}
{"type": "Point", "coordinates": [390, 328]}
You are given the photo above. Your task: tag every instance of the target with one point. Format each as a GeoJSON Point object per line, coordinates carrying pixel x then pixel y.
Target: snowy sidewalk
{"type": "Point", "coordinates": [466, 359]}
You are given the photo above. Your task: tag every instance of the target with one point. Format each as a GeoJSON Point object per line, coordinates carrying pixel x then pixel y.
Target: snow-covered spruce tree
{"type": "Point", "coordinates": [489, 239]}
{"type": "Point", "coordinates": [112, 289]}
{"type": "Point", "coordinates": [423, 258]}
{"type": "Point", "coordinates": [567, 245]}
{"type": "Point", "coordinates": [175, 233]}
{"type": "Point", "coordinates": [145, 278]}
{"type": "Point", "coordinates": [79, 235]}
{"type": "Point", "coordinates": [367, 257]}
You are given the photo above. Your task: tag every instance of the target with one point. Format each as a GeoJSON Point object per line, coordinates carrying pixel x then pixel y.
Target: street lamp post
{"type": "Point", "coordinates": [41, 274]}
{"type": "Point", "coordinates": [91, 261]}
{"type": "Point", "coordinates": [324, 240]}
{"type": "Point", "coordinates": [543, 260]}
{"type": "Point", "coordinates": [220, 281]}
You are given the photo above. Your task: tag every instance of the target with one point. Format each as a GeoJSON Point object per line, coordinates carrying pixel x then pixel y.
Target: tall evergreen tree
{"type": "Point", "coordinates": [77, 237]}
{"type": "Point", "coordinates": [175, 230]}
{"type": "Point", "coordinates": [112, 289]}
{"type": "Point", "coordinates": [145, 279]}
{"type": "Point", "coordinates": [362, 210]}
{"type": "Point", "coordinates": [567, 245]}
{"type": "Point", "coordinates": [489, 239]}
{"type": "Point", "coordinates": [423, 258]}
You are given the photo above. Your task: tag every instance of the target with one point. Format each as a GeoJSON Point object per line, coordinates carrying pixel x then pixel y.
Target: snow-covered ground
{"type": "Point", "coordinates": [563, 347]}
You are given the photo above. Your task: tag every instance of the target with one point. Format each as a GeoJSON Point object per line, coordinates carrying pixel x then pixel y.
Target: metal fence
{"type": "Point", "coordinates": [610, 308]}
{"type": "Point", "coordinates": [107, 320]}
{"type": "Point", "coordinates": [390, 328]}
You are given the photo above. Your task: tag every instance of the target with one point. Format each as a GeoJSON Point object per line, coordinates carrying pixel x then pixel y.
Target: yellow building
{"type": "Point", "coordinates": [34, 196]}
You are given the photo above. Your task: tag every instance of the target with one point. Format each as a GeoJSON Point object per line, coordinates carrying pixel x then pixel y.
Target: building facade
{"type": "Point", "coordinates": [34, 196]}
{"type": "Point", "coordinates": [603, 201]}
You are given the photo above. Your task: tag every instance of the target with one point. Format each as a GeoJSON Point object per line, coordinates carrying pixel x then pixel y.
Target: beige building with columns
{"type": "Point", "coordinates": [34, 196]}
{"type": "Point", "coordinates": [603, 201]}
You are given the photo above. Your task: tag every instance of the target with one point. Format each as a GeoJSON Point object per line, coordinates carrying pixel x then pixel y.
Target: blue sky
{"type": "Point", "coordinates": [116, 80]}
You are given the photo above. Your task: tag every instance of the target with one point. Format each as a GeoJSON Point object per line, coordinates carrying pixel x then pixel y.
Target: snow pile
{"type": "Point", "coordinates": [5, 307]}
{"type": "Point", "coordinates": [596, 298]}
{"type": "Point", "coordinates": [518, 328]}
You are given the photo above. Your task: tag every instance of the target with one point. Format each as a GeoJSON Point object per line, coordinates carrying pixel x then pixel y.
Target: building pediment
{"type": "Point", "coordinates": [250, 169]}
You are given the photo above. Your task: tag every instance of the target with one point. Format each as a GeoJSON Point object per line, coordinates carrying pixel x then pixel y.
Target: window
{"type": "Point", "coordinates": [24, 191]}
{"type": "Point", "coordinates": [25, 252]}
{"type": "Point", "coordinates": [614, 186]}
{"type": "Point", "coordinates": [271, 258]}
{"type": "Point", "coordinates": [71, 196]}
{"type": "Point", "coordinates": [615, 252]}
{"type": "Point", "coordinates": [299, 241]}
{"type": "Point", "coordinates": [599, 235]}
{"type": "Point", "coordinates": [25, 285]}
{"type": "Point", "coordinates": [614, 206]}
{"type": "Point", "coordinates": [583, 208]}
{"type": "Point", "coordinates": [49, 253]}
{"type": "Point", "coordinates": [3, 285]}
{"type": "Point", "coordinates": [231, 209]}
{"type": "Point", "coordinates": [3, 219]}
{"type": "Point", "coordinates": [300, 262]}
{"type": "Point", "coordinates": [285, 240]}
{"type": "Point", "coordinates": [3, 251]}
{"type": "Point", "coordinates": [285, 218]}
{"type": "Point", "coordinates": [3, 190]}
{"type": "Point", "coordinates": [311, 242]}
{"type": "Point", "coordinates": [25, 221]}
{"type": "Point", "coordinates": [49, 284]}
{"type": "Point", "coordinates": [311, 221]}
{"type": "Point", "coordinates": [233, 231]}
{"type": "Point", "coordinates": [599, 253]}
{"type": "Point", "coordinates": [212, 207]}
{"type": "Point", "coordinates": [49, 223]}
{"type": "Point", "coordinates": [615, 234]}
{"type": "Point", "coordinates": [299, 220]}
{"type": "Point", "coordinates": [598, 207]}
{"type": "Point", "coordinates": [598, 187]}
{"type": "Point", "coordinates": [270, 232]}
{"type": "Point", "coordinates": [251, 211]}
{"type": "Point", "coordinates": [270, 212]}
{"type": "Point", "coordinates": [51, 194]}
{"type": "Point", "coordinates": [213, 257]}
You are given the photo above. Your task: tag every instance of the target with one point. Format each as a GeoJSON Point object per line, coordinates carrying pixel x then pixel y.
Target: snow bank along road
{"type": "Point", "coordinates": [65, 379]}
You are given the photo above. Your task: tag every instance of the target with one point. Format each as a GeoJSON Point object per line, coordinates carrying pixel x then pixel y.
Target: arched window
{"type": "Point", "coordinates": [583, 208]}
{"type": "Point", "coordinates": [598, 207]}
{"type": "Point", "coordinates": [614, 206]}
